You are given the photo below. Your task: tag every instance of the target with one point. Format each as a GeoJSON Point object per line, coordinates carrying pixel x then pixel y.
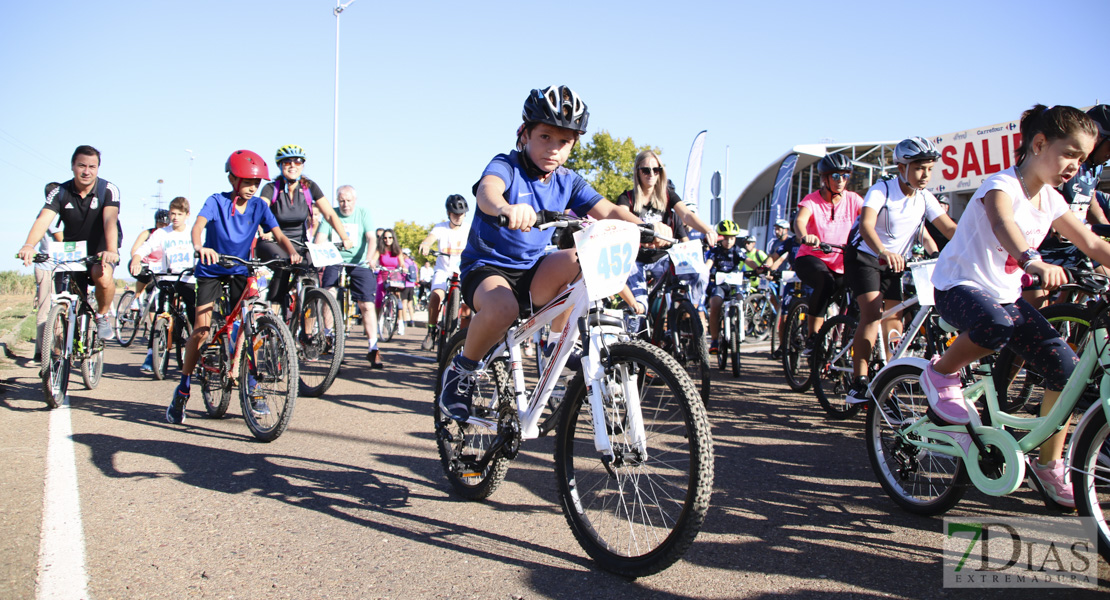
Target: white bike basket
{"type": "Point", "coordinates": [922, 280]}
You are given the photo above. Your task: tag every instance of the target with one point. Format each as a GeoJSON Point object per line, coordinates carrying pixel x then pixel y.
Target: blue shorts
{"type": "Point", "coordinates": [363, 282]}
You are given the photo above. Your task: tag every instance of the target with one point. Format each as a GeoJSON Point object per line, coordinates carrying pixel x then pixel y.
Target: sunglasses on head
{"type": "Point", "coordinates": [293, 161]}
{"type": "Point", "coordinates": [841, 176]}
{"type": "Point", "coordinates": [650, 170]}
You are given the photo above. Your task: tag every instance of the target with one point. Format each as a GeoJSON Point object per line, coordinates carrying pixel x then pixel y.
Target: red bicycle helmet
{"type": "Point", "coordinates": [245, 164]}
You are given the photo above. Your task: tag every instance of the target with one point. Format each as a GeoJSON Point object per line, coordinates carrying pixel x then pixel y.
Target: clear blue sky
{"type": "Point", "coordinates": [430, 91]}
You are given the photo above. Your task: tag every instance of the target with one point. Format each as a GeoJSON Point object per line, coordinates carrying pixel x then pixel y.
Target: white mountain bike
{"type": "Point", "coordinates": [633, 452]}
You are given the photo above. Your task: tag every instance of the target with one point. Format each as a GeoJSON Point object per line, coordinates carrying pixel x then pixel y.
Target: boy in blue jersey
{"type": "Point", "coordinates": [504, 268]}
{"type": "Point", "coordinates": [231, 220]}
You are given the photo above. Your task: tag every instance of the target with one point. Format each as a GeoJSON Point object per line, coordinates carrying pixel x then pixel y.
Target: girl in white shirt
{"type": "Point", "coordinates": [978, 276]}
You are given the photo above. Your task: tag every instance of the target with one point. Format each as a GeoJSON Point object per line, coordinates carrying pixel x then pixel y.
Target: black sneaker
{"type": "Point", "coordinates": [811, 341]}
{"type": "Point", "coordinates": [175, 412]}
{"type": "Point", "coordinates": [375, 359]}
{"type": "Point", "coordinates": [454, 397]}
{"type": "Point", "coordinates": [429, 339]}
{"type": "Point", "coordinates": [858, 394]}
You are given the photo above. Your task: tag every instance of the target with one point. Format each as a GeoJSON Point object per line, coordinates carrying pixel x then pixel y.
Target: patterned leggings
{"type": "Point", "coordinates": [992, 325]}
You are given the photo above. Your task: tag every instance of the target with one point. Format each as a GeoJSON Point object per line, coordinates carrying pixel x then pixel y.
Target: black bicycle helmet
{"type": "Point", "coordinates": [1101, 115]}
{"type": "Point", "coordinates": [456, 205]}
{"type": "Point", "coordinates": [558, 106]}
{"type": "Point", "coordinates": [915, 149]}
{"type": "Point", "coordinates": [832, 163]}
{"type": "Point", "coordinates": [161, 216]}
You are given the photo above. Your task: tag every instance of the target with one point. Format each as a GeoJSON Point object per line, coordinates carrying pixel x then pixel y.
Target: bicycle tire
{"type": "Point", "coordinates": [92, 366]}
{"type": "Point", "coordinates": [1089, 474]}
{"type": "Point", "coordinates": [126, 320]}
{"type": "Point", "coordinates": [182, 332]}
{"type": "Point", "coordinates": [319, 352]}
{"type": "Point", "coordinates": [919, 481]}
{"type": "Point", "coordinates": [755, 309]}
{"type": "Point", "coordinates": [212, 373]}
{"type": "Point", "coordinates": [54, 371]}
{"type": "Point", "coordinates": [636, 516]}
{"type": "Point", "coordinates": [268, 408]}
{"type": "Point", "coordinates": [734, 341]}
{"type": "Point", "coordinates": [448, 320]}
{"type": "Point", "coordinates": [491, 399]}
{"type": "Point", "coordinates": [1018, 386]}
{"type": "Point", "coordinates": [832, 380]}
{"type": "Point", "coordinates": [692, 347]}
{"type": "Point", "coordinates": [795, 365]}
{"type": "Point", "coordinates": [388, 318]}
{"type": "Point", "coordinates": [159, 348]}
{"type": "Point", "coordinates": [724, 335]}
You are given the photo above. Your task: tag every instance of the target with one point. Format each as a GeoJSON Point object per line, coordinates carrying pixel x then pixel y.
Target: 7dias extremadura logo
{"type": "Point", "coordinates": [1008, 552]}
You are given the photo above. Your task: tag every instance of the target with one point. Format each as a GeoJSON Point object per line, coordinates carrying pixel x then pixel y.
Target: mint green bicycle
{"type": "Point", "coordinates": [925, 468]}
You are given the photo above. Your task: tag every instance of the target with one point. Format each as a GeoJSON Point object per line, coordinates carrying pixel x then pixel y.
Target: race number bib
{"type": "Point", "coordinates": [687, 258]}
{"type": "Point", "coordinates": [324, 255]}
{"type": "Point", "coordinates": [65, 251]}
{"type": "Point", "coordinates": [607, 253]}
{"type": "Point", "coordinates": [734, 278]}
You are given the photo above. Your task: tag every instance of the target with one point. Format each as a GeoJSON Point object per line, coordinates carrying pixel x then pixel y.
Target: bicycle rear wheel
{"type": "Point", "coordinates": [55, 366]}
{"type": "Point", "coordinates": [734, 340]}
{"type": "Point", "coordinates": [448, 320]}
{"type": "Point", "coordinates": [461, 446]}
{"type": "Point", "coordinates": [832, 366]}
{"type": "Point", "coordinates": [212, 373]}
{"type": "Point", "coordinates": [692, 352]}
{"type": "Point", "coordinates": [271, 361]}
{"type": "Point", "coordinates": [794, 364]}
{"type": "Point", "coordinates": [1090, 473]}
{"type": "Point", "coordinates": [127, 319]}
{"type": "Point", "coordinates": [92, 366]}
{"type": "Point", "coordinates": [755, 312]}
{"type": "Point", "coordinates": [636, 513]}
{"type": "Point", "coordinates": [160, 348]}
{"type": "Point", "coordinates": [920, 481]}
{"type": "Point", "coordinates": [319, 348]}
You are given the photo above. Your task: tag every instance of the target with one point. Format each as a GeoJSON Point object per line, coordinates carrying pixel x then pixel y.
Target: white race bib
{"type": "Point", "coordinates": [64, 251]}
{"type": "Point", "coordinates": [607, 254]}
{"type": "Point", "coordinates": [324, 255]}
{"type": "Point", "coordinates": [687, 258]}
{"type": "Point", "coordinates": [735, 278]}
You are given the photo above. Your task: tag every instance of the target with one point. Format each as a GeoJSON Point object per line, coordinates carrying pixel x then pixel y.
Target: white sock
{"type": "Point", "coordinates": [553, 340]}
{"type": "Point", "coordinates": [374, 345]}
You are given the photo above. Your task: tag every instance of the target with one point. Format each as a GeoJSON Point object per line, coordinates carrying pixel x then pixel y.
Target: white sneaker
{"type": "Point", "coordinates": [400, 328]}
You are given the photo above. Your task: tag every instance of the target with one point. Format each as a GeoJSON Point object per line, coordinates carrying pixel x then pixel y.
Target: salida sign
{"type": "Point", "coordinates": [968, 157]}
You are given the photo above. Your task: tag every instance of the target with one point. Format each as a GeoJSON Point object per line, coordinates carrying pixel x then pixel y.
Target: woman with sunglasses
{"type": "Point", "coordinates": [291, 197]}
{"type": "Point", "coordinates": [386, 259]}
{"type": "Point", "coordinates": [652, 201]}
{"type": "Point", "coordinates": [826, 215]}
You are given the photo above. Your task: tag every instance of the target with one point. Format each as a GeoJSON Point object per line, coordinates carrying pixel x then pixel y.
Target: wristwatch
{"type": "Point", "coordinates": [1027, 257]}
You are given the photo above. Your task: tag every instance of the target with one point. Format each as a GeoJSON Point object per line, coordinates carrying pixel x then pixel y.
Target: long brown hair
{"type": "Point", "coordinates": [1053, 123]}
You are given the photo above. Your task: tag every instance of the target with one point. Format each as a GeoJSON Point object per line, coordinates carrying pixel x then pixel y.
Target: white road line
{"type": "Point", "coordinates": [417, 357]}
{"type": "Point", "coordinates": [62, 545]}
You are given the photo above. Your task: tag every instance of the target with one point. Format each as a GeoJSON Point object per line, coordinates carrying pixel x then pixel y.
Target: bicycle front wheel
{"type": "Point", "coordinates": [795, 364]}
{"type": "Point", "coordinates": [160, 348]}
{"type": "Point", "coordinates": [734, 340]}
{"type": "Point", "coordinates": [388, 318]}
{"type": "Point", "coordinates": [724, 336]}
{"type": "Point", "coordinates": [636, 513]}
{"type": "Point", "coordinates": [1019, 386]}
{"type": "Point", "coordinates": [127, 319]}
{"type": "Point", "coordinates": [268, 378]}
{"type": "Point", "coordinates": [832, 367]}
{"type": "Point", "coordinates": [691, 350]}
{"type": "Point", "coordinates": [1090, 475]}
{"type": "Point", "coordinates": [55, 365]}
{"type": "Point", "coordinates": [319, 342]}
{"type": "Point", "coordinates": [920, 481]}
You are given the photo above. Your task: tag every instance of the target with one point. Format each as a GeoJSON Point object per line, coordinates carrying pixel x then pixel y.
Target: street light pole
{"type": "Point", "coordinates": [191, 157]}
{"type": "Point", "coordinates": [339, 8]}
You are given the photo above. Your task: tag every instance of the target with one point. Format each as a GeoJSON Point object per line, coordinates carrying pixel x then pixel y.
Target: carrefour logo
{"type": "Point", "coordinates": [940, 188]}
{"type": "Point", "coordinates": [938, 140]}
{"type": "Point", "coordinates": [1012, 126]}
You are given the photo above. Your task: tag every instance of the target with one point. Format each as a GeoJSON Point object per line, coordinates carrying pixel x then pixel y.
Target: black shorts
{"type": "Point", "coordinates": [520, 281]}
{"type": "Point", "coordinates": [361, 280]}
{"type": "Point", "coordinates": [864, 274]}
{"type": "Point", "coordinates": [406, 294]}
{"type": "Point", "coordinates": [209, 289]}
{"type": "Point", "coordinates": [144, 278]}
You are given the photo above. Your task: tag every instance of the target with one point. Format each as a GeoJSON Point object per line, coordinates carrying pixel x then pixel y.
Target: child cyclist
{"type": "Point", "coordinates": [725, 257]}
{"type": "Point", "coordinates": [503, 268]}
{"type": "Point", "coordinates": [889, 226]}
{"type": "Point", "coordinates": [231, 220]}
{"type": "Point", "coordinates": [174, 248]}
{"type": "Point", "coordinates": [451, 236]}
{"type": "Point", "coordinates": [978, 276]}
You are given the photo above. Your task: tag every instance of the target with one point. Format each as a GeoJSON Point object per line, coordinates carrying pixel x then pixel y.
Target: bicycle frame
{"type": "Point", "coordinates": [969, 442]}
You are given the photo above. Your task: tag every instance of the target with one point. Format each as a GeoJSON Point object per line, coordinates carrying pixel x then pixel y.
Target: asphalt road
{"type": "Point", "coordinates": [351, 502]}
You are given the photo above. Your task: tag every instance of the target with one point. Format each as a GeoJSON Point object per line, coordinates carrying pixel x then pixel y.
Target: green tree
{"type": "Point", "coordinates": [409, 235]}
{"type": "Point", "coordinates": [606, 162]}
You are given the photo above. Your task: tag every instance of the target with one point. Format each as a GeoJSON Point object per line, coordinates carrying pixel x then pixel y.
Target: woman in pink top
{"type": "Point", "coordinates": [826, 215]}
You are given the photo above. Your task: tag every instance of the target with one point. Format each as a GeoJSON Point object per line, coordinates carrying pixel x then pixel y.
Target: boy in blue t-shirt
{"type": "Point", "coordinates": [231, 220]}
{"type": "Point", "coordinates": [504, 268]}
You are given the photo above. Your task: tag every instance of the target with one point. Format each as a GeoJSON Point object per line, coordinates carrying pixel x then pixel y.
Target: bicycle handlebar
{"type": "Point", "coordinates": [548, 218]}
{"type": "Point", "coordinates": [225, 261]}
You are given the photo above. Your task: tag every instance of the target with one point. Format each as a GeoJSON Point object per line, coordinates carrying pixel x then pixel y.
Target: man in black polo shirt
{"type": "Point", "coordinates": [89, 210]}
